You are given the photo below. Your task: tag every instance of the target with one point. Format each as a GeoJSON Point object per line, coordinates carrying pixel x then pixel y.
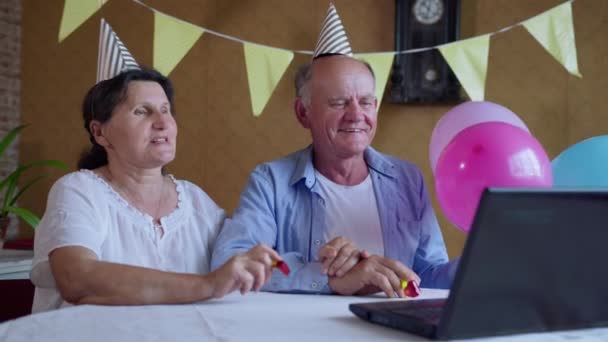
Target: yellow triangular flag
{"type": "Point", "coordinates": [75, 12]}
{"type": "Point", "coordinates": [469, 60]}
{"type": "Point", "coordinates": [381, 64]}
{"type": "Point", "coordinates": [173, 38]}
{"type": "Point", "coordinates": [265, 67]}
{"type": "Point", "coordinates": [553, 29]}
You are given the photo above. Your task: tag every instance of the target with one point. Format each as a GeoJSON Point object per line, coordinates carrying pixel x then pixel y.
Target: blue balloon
{"type": "Point", "coordinates": [584, 164]}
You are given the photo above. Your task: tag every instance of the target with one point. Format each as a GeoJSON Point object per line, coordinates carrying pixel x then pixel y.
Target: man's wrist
{"type": "Point", "coordinates": [336, 284]}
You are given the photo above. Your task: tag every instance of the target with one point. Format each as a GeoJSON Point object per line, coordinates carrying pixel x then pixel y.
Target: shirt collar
{"type": "Point", "coordinates": [305, 168]}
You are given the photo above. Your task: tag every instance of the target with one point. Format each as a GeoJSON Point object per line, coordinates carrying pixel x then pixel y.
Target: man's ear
{"type": "Point", "coordinates": [96, 129]}
{"type": "Point", "coordinates": [302, 113]}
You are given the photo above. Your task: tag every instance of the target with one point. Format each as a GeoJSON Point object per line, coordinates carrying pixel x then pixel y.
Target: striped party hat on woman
{"type": "Point", "coordinates": [332, 39]}
{"type": "Point", "coordinates": [113, 57]}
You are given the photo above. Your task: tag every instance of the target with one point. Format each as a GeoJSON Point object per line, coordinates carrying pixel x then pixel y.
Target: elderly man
{"type": "Point", "coordinates": [344, 217]}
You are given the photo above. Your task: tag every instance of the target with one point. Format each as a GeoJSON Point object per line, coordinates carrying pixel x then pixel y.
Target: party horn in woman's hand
{"type": "Point", "coordinates": [282, 266]}
{"type": "Point", "coordinates": [410, 288]}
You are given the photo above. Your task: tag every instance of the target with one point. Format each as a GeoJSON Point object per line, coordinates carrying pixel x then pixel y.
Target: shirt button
{"type": "Point", "coordinates": [317, 242]}
{"type": "Point", "coordinates": [321, 201]}
{"type": "Point", "coordinates": [314, 285]}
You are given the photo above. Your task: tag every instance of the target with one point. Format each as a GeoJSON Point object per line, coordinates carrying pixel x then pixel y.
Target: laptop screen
{"type": "Point", "coordinates": [535, 260]}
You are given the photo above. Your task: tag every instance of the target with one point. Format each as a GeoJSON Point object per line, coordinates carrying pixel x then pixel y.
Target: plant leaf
{"type": "Point", "coordinates": [12, 183]}
{"type": "Point", "coordinates": [25, 187]}
{"type": "Point", "coordinates": [6, 180]}
{"type": "Point", "coordinates": [12, 179]}
{"type": "Point", "coordinates": [16, 173]}
{"type": "Point", "coordinates": [50, 162]}
{"type": "Point", "coordinates": [26, 215]}
{"type": "Point", "coordinates": [9, 138]}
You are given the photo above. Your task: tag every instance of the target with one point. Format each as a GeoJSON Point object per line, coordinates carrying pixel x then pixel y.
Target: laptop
{"type": "Point", "coordinates": [535, 260]}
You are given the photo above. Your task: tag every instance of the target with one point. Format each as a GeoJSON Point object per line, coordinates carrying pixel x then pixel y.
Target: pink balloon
{"type": "Point", "coordinates": [488, 154]}
{"type": "Point", "coordinates": [465, 115]}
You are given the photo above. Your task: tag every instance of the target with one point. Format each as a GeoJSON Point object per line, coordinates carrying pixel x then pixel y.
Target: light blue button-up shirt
{"type": "Point", "coordinates": [281, 207]}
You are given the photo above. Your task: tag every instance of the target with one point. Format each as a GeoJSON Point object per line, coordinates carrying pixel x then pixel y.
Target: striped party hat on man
{"type": "Point", "coordinates": [113, 57]}
{"type": "Point", "coordinates": [332, 39]}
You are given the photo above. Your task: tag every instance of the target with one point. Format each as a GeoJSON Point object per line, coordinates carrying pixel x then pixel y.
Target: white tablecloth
{"type": "Point", "coordinates": [254, 317]}
{"type": "Point", "coordinates": [15, 264]}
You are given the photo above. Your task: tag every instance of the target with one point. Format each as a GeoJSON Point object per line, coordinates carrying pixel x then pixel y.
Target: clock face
{"type": "Point", "coordinates": [428, 11]}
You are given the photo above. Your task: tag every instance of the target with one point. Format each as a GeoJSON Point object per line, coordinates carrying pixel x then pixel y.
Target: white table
{"type": "Point", "coordinates": [254, 317]}
{"type": "Point", "coordinates": [15, 264]}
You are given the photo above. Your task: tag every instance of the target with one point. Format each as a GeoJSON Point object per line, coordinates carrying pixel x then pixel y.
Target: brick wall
{"type": "Point", "coordinates": [10, 84]}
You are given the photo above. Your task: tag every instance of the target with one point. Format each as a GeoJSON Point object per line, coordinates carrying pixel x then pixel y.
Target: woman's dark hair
{"type": "Point", "coordinates": [102, 99]}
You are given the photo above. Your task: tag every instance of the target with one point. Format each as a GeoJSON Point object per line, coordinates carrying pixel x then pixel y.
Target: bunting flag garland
{"type": "Point", "coordinates": [554, 30]}
{"type": "Point", "coordinates": [173, 38]}
{"type": "Point", "coordinates": [469, 60]}
{"type": "Point", "coordinates": [75, 12]}
{"type": "Point", "coordinates": [381, 64]}
{"type": "Point", "coordinates": [265, 67]}
{"type": "Point", "coordinates": [332, 38]}
{"type": "Point", "coordinates": [113, 57]}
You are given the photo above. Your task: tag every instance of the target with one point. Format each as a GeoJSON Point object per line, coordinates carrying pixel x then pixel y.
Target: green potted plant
{"type": "Point", "coordinates": [9, 193]}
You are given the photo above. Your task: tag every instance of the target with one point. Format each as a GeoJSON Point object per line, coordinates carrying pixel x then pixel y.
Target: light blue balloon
{"type": "Point", "coordinates": [584, 164]}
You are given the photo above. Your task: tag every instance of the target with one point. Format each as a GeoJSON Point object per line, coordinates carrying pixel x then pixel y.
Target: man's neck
{"type": "Point", "coordinates": [345, 171]}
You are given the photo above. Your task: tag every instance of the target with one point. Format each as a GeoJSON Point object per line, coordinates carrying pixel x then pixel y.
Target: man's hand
{"type": "Point", "coordinates": [374, 274]}
{"type": "Point", "coordinates": [244, 272]}
{"type": "Point", "coordinates": [338, 256]}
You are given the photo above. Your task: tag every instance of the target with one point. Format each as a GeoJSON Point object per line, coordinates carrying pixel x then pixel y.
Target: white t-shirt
{"type": "Point", "coordinates": [352, 212]}
{"type": "Point", "coordinates": [83, 210]}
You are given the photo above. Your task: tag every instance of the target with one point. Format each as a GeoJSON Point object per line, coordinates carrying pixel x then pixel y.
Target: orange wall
{"type": "Point", "coordinates": [220, 141]}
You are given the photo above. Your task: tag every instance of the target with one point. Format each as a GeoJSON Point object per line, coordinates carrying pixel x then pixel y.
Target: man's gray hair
{"type": "Point", "coordinates": [304, 74]}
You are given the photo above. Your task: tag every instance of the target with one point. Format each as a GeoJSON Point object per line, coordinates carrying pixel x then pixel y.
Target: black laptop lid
{"type": "Point", "coordinates": [535, 260]}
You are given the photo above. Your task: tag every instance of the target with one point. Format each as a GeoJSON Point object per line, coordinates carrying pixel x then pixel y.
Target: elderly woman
{"type": "Point", "coordinates": [120, 231]}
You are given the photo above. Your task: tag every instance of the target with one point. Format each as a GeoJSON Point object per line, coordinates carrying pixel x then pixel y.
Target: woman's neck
{"type": "Point", "coordinates": [141, 185]}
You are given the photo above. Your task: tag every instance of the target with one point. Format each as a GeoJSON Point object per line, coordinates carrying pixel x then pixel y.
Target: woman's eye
{"type": "Point", "coordinates": [140, 112]}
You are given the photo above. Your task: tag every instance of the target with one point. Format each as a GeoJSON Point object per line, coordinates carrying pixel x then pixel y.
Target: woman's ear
{"type": "Point", "coordinates": [302, 112]}
{"type": "Point", "coordinates": [96, 129]}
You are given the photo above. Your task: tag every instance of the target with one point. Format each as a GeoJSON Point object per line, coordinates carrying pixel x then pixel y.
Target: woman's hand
{"type": "Point", "coordinates": [244, 272]}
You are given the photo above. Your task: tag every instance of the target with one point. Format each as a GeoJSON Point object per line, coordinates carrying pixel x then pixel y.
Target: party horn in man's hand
{"type": "Point", "coordinates": [282, 266]}
{"type": "Point", "coordinates": [410, 288]}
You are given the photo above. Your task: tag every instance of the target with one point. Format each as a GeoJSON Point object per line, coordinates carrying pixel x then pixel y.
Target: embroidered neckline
{"type": "Point", "coordinates": [132, 209]}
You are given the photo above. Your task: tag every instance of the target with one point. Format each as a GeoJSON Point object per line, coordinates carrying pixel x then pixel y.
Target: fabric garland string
{"type": "Point", "coordinates": [468, 58]}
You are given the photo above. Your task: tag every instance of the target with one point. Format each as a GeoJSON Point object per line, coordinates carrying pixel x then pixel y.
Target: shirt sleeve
{"type": "Point", "coordinates": [253, 223]}
{"type": "Point", "coordinates": [209, 215]}
{"type": "Point", "coordinates": [431, 259]}
{"type": "Point", "coordinates": [70, 219]}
